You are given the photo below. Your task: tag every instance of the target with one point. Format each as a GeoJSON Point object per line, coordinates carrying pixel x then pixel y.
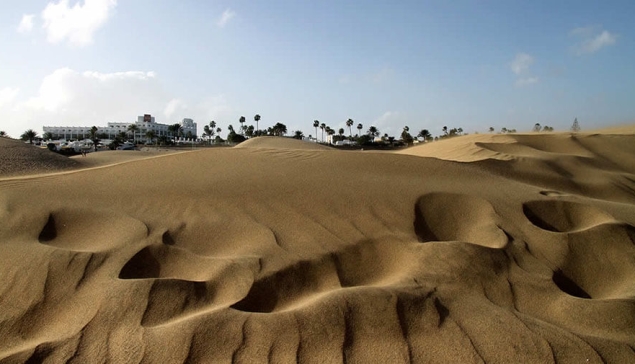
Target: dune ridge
{"type": "Point", "coordinates": [515, 248]}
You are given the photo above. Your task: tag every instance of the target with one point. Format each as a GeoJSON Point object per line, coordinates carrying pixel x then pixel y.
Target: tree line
{"type": "Point", "coordinates": [212, 131]}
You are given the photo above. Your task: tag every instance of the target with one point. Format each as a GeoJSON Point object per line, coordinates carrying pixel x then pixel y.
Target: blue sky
{"type": "Point", "coordinates": [465, 63]}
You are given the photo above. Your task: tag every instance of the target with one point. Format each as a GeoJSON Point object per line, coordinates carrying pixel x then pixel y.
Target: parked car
{"type": "Point", "coordinates": [126, 146]}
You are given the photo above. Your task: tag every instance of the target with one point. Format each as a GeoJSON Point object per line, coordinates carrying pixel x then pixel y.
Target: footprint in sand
{"type": "Point", "coordinates": [90, 230]}
{"type": "Point", "coordinates": [564, 216]}
{"type": "Point", "coordinates": [597, 263]}
{"type": "Point", "coordinates": [184, 284]}
{"type": "Point", "coordinates": [365, 264]}
{"type": "Point", "coordinates": [458, 217]}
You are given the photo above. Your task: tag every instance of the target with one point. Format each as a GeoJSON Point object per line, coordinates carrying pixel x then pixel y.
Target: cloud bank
{"type": "Point", "coordinates": [26, 24]}
{"type": "Point", "coordinates": [76, 24]}
{"type": "Point", "coordinates": [68, 97]}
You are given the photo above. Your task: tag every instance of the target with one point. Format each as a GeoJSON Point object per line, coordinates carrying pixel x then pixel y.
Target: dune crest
{"type": "Point", "coordinates": [280, 143]}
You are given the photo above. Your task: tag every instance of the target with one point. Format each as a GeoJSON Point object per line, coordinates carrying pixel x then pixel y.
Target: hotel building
{"type": "Point", "coordinates": [144, 124]}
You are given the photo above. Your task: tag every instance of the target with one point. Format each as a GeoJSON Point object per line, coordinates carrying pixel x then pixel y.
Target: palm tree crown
{"type": "Point", "coordinates": [350, 123]}
{"type": "Point", "coordinates": [257, 119]}
{"type": "Point", "coordinates": [242, 121]}
{"type": "Point", "coordinates": [322, 126]}
{"type": "Point", "coordinates": [29, 135]}
{"type": "Point", "coordinates": [316, 124]}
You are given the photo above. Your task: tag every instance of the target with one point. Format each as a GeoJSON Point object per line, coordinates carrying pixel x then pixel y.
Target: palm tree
{"type": "Point", "coordinates": [322, 126]}
{"type": "Point", "coordinates": [150, 134]}
{"type": "Point", "coordinates": [445, 129]}
{"type": "Point", "coordinates": [47, 136]}
{"type": "Point", "coordinates": [257, 119]}
{"type": "Point", "coordinates": [242, 121]}
{"type": "Point", "coordinates": [341, 131]}
{"type": "Point", "coordinates": [316, 124]}
{"type": "Point", "coordinates": [359, 128]}
{"type": "Point", "coordinates": [209, 130]}
{"type": "Point", "coordinates": [177, 128]}
{"type": "Point", "coordinates": [29, 135]}
{"type": "Point", "coordinates": [298, 135]}
{"type": "Point", "coordinates": [425, 134]}
{"type": "Point", "coordinates": [3, 133]}
{"type": "Point", "coordinates": [349, 123]}
{"type": "Point", "coordinates": [279, 129]}
{"type": "Point", "coordinates": [250, 131]}
{"type": "Point", "coordinates": [93, 136]}
{"type": "Point", "coordinates": [372, 131]}
{"type": "Point", "coordinates": [406, 137]}
{"type": "Point", "coordinates": [133, 128]}
{"type": "Point", "coordinates": [491, 129]}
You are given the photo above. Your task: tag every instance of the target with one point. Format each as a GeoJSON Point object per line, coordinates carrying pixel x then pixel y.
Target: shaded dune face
{"type": "Point", "coordinates": [564, 216]}
{"type": "Point", "coordinates": [458, 217]}
{"type": "Point", "coordinates": [598, 263]}
{"type": "Point", "coordinates": [90, 229]}
{"type": "Point", "coordinates": [441, 262]}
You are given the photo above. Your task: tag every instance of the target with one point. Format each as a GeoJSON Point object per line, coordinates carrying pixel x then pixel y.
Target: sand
{"type": "Point", "coordinates": [488, 248]}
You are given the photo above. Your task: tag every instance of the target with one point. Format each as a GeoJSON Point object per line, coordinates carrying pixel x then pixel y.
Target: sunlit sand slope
{"type": "Point", "coordinates": [281, 254]}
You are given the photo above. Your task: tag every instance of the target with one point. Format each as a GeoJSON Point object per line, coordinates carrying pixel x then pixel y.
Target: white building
{"type": "Point", "coordinates": [188, 127]}
{"type": "Point", "coordinates": [144, 124]}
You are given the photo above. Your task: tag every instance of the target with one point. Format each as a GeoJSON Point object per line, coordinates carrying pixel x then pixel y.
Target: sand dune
{"type": "Point", "coordinates": [281, 143]}
{"type": "Point", "coordinates": [488, 248]}
{"type": "Point", "coordinates": [18, 158]}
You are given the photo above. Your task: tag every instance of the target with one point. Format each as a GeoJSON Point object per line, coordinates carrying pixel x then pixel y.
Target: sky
{"type": "Point", "coordinates": [425, 64]}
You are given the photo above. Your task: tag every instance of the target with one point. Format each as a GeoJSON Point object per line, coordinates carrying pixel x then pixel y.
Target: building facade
{"type": "Point", "coordinates": [144, 123]}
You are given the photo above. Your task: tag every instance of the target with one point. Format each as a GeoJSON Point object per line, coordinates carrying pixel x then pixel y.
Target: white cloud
{"type": "Point", "coordinates": [520, 66]}
{"type": "Point", "coordinates": [174, 106]}
{"type": "Point", "coordinates": [7, 95]}
{"type": "Point", "coordinates": [202, 111]}
{"type": "Point", "coordinates": [67, 97]}
{"type": "Point", "coordinates": [521, 63]}
{"type": "Point", "coordinates": [26, 24]}
{"type": "Point", "coordinates": [526, 81]}
{"type": "Point", "coordinates": [595, 43]}
{"type": "Point", "coordinates": [591, 39]}
{"type": "Point", "coordinates": [76, 24]}
{"type": "Point", "coordinates": [390, 122]}
{"type": "Point", "coordinates": [228, 15]}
